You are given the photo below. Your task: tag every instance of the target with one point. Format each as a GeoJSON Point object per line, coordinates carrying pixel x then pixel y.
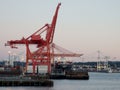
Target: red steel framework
{"type": "Point", "coordinates": [62, 52]}
{"type": "Point", "coordinates": [42, 44]}
{"type": "Point", "coordinates": [56, 51]}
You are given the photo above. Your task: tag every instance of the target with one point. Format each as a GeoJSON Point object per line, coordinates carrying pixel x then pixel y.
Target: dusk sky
{"type": "Point", "coordinates": [83, 26]}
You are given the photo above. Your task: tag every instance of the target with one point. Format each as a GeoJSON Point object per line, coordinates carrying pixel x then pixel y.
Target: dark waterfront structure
{"type": "Point", "coordinates": [25, 81]}
{"type": "Point", "coordinates": [71, 75]}
{"type": "Point", "coordinates": [68, 71]}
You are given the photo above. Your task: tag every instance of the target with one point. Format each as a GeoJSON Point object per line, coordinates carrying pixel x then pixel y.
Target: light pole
{"type": "Point", "coordinates": [9, 52]}
{"type": "Point", "coordinates": [98, 62]}
{"type": "Point", "coordinates": [14, 59]}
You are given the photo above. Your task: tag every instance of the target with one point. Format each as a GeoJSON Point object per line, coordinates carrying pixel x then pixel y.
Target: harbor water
{"type": "Point", "coordinates": [97, 81]}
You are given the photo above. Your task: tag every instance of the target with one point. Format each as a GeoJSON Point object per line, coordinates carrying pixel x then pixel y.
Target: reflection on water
{"type": "Point", "coordinates": [97, 81]}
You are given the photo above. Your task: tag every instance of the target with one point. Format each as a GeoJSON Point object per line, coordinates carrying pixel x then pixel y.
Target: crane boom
{"type": "Point", "coordinates": [50, 32]}
{"type": "Point", "coordinates": [63, 52]}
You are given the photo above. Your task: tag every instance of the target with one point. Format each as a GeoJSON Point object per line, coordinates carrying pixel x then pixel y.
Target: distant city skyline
{"type": "Point", "coordinates": [83, 26]}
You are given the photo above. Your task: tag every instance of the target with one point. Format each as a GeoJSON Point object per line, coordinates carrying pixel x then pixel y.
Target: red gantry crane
{"type": "Point", "coordinates": [42, 43]}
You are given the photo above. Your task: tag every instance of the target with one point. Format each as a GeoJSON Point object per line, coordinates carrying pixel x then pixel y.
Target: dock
{"type": "Point", "coordinates": [25, 81]}
{"type": "Point", "coordinates": [71, 75]}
